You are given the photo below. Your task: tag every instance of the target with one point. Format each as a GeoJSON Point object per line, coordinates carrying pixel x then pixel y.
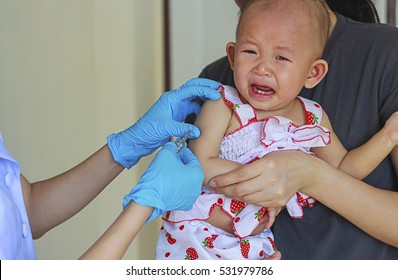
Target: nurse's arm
{"type": "Point", "coordinates": [53, 201]}
{"type": "Point", "coordinates": [113, 244]}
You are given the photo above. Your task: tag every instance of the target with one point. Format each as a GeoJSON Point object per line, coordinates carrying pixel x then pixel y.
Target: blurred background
{"type": "Point", "coordinates": [72, 72]}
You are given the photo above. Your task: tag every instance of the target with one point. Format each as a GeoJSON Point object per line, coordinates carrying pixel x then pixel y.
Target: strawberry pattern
{"type": "Point", "coordinates": [260, 214]}
{"type": "Point", "coordinates": [200, 241]}
{"type": "Point", "coordinates": [191, 254]}
{"type": "Point", "coordinates": [196, 239]}
{"type": "Point", "coordinates": [236, 206]}
{"type": "Point", "coordinates": [245, 248]}
{"type": "Point", "coordinates": [311, 118]}
{"type": "Point", "coordinates": [208, 242]}
{"type": "Point", "coordinates": [170, 239]}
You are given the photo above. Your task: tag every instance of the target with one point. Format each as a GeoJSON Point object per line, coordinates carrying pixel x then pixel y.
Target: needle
{"type": "Point", "coordinates": [181, 141]}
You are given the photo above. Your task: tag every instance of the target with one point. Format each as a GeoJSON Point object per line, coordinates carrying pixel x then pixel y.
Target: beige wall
{"type": "Point", "coordinates": [72, 72]}
{"type": "Point", "coordinates": [200, 32]}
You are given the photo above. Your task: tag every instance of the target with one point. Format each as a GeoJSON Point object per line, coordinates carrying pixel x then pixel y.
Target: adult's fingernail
{"type": "Point", "coordinates": [212, 184]}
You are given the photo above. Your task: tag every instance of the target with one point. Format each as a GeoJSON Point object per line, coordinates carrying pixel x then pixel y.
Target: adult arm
{"type": "Point", "coordinates": [272, 181]}
{"type": "Point", "coordinates": [53, 201]}
{"type": "Point", "coordinates": [116, 240]}
{"type": "Point", "coordinates": [152, 196]}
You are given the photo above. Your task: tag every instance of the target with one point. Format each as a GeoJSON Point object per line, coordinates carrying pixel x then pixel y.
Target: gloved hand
{"type": "Point", "coordinates": [171, 182]}
{"type": "Point", "coordinates": [163, 120]}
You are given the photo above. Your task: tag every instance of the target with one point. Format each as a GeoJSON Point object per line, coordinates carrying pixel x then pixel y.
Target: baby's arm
{"type": "Point", "coordinates": [213, 121]}
{"type": "Point", "coordinates": [360, 162]}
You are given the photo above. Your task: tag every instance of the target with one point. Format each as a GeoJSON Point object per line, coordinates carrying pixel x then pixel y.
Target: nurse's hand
{"type": "Point", "coordinates": [163, 120]}
{"type": "Point", "coordinates": [171, 182]}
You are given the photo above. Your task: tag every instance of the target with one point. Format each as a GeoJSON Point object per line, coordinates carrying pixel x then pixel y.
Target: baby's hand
{"type": "Point", "coordinates": [269, 217]}
{"type": "Point", "coordinates": [391, 128]}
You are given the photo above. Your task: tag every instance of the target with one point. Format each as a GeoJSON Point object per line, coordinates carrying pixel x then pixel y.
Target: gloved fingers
{"type": "Point", "coordinates": [190, 107]}
{"type": "Point", "coordinates": [179, 129]}
{"type": "Point", "coordinates": [170, 146]}
{"type": "Point", "coordinates": [186, 108]}
{"type": "Point", "coordinates": [186, 155]}
{"type": "Point", "coordinates": [188, 158]}
{"type": "Point", "coordinates": [202, 92]}
{"type": "Point", "coordinates": [202, 82]}
{"type": "Point", "coordinates": [202, 88]}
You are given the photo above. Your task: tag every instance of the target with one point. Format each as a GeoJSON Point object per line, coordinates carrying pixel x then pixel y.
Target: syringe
{"type": "Point", "coordinates": [181, 141]}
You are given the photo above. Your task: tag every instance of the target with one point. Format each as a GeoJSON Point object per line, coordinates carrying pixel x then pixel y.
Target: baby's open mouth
{"type": "Point", "coordinates": [262, 90]}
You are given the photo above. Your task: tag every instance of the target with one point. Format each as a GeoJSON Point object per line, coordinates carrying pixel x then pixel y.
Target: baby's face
{"type": "Point", "coordinates": [272, 57]}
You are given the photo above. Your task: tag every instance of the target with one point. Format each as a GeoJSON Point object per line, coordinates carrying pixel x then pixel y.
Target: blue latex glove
{"type": "Point", "coordinates": [171, 182]}
{"type": "Point", "coordinates": [163, 120]}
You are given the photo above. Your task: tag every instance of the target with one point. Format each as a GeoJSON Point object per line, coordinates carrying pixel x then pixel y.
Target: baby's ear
{"type": "Point", "coordinates": [230, 49]}
{"type": "Point", "coordinates": [317, 72]}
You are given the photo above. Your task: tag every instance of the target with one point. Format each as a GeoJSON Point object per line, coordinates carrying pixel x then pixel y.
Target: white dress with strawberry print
{"type": "Point", "coordinates": [186, 235]}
